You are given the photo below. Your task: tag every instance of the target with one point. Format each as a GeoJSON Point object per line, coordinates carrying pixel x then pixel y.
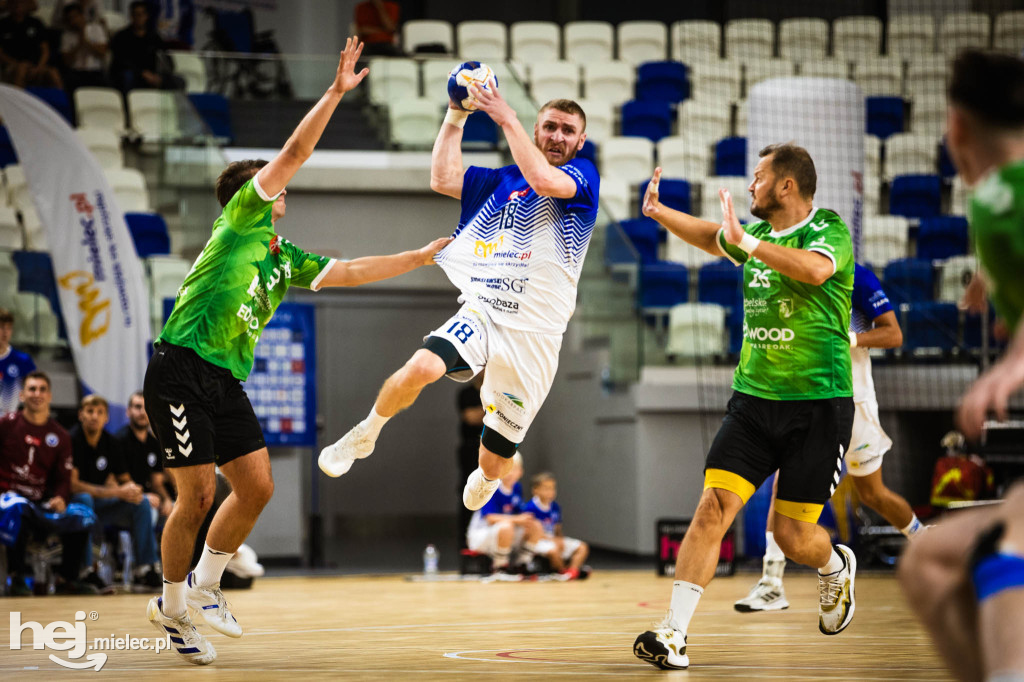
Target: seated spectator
{"type": "Point", "coordinates": [547, 511]}
{"type": "Point", "coordinates": [93, 10]}
{"type": "Point", "coordinates": [35, 490]}
{"type": "Point", "coordinates": [499, 527]}
{"type": "Point", "coordinates": [83, 47]}
{"type": "Point", "coordinates": [137, 55]}
{"type": "Point", "coordinates": [14, 365]}
{"type": "Point", "coordinates": [377, 26]}
{"type": "Point", "coordinates": [24, 50]}
{"type": "Point", "coordinates": [100, 480]}
{"type": "Point", "coordinates": [141, 452]}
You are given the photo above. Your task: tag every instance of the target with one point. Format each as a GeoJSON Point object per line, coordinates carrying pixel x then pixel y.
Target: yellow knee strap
{"type": "Point", "coordinates": [726, 480]}
{"type": "Point", "coordinates": [800, 511]}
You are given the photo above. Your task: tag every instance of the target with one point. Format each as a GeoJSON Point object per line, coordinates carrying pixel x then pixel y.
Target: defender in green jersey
{"type": "Point", "coordinates": [792, 409]}
{"type": "Point", "coordinates": [972, 600]}
{"type": "Point", "coordinates": [193, 390]}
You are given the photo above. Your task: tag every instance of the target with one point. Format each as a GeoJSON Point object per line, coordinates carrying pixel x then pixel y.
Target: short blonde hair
{"type": "Point", "coordinates": [537, 479]}
{"type": "Point", "coordinates": [94, 400]}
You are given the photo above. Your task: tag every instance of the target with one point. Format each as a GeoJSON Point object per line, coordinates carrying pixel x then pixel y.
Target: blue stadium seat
{"type": "Point", "coordinates": [915, 196]}
{"type": "Point", "coordinates": [721, 283]}
{"type": "Point", "coordinates": [946, 168]}
{"type": "Point", "coordinates": [673, 193]}
{"type": "Point", "coordinates": [480, 130]}
{"type": "Point", "coordinates": [7, 154]}
{"type": "Point", "coordinates": [588, 152]}
{"type": "Point", "coordinates": [884, 116]}
{"type": "Point", "coordinates": [909, 280]}
{"type": "Point", "coordinates": [662, 81]}
{"type": "Point", "coordinates": [58, 99]}
{"type": "Point", "coordinates": [35, 274]}
{"type": "Point", "coordinates": [734, 322]}
{"type": "Point", "coordinates": [652, 120]}
{"type": "Point", "coordinates": [149, 232]}
{"type": "Point", "coordinates": [215, 112]}
{"type": "Point", "coordinates": [731, 156]}
{"type": "Point", "coordinates": [663, 285]}
{"type": "Point", "coordinates": [930, 325]}
{"type": "Point", "coordinates": [942, 237]}
{"type": "Point", "coordinates": [644, 234]}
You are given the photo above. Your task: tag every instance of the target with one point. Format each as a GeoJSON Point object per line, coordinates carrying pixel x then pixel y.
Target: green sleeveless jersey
{"type": "Point", "coordinates": [236, 284]}
{"type": "Point", "coordinates": [995, 212]}
{"type": "Point", "coordinates": [796, 343]}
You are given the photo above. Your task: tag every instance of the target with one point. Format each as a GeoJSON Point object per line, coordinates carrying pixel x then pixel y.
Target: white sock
{"type": "Point", "coordinates": [684, 602]}
{"type": "Point", "coordinates": [835, 563]}
{"type": "Point", "coordinates": [373, 424]}
{"type": "Point", "coordinates": [501, 557]}
{"type": "Point", "coordinates": [211, 566]}
{"type": "Point", "coordinates": [913, 528]}
{"type": "Point", "coordinates": [174, 599]}
{"type": "Point", "coordinates": [771, 548]}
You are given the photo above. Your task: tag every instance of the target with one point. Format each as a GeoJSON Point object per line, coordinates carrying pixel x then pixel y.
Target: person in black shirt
{"type": "Point", "coordinates": [141, 452]}
{"type": "Point", "coordinates": [136, 54]}
{"type": "Point", "coordinates": [24, 50]}
{"type": "Point", "coordinates": [471, 421]}
{"type": "Point", "coordinates": [100, 480]}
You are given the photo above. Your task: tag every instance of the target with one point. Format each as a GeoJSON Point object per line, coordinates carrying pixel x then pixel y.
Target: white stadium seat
{"type": "Point", "coordinates": [961, 30]}
{"type": "Point", "coordinates": [100, 108]}
{"type": "Point", "coordinates": [1009, 32]}
{"type": "Point", "coordinates": [419, 32]}
{"type": "Point", "coordinates": [705, 120]}
{"type": "Point", "coordinates": [696, 331]}
{"type": "Point", "coordinates": [825, 68]}
{"type": "Point", "coordinates": [536, 41]}
{"type": "Point", "coordinates": [695, 41]}
{"type": "Point", "coordinates": [554, 80]}
{"type": "Point", "coordinates": [928, 114]}
{"type": "Point", "coordinates": [166, 274]}
{"type": "Point", "coordinates": [857, 37]}
{"type": "Point", "coordinates": [750, 38]}
{"type": "Point", "coordinates": [803, 38]}
{"type": "Point", "coordinates": [711, 204]}
{"type": "Point", "coordinates": [885, 238]}
{"type": "Point", "coordinates": [718, 81]}
{"type": "Point", "coordinates": [392, 79]}
{"type": "Point", "coordinates": [589, 41]}
{"type": "Point", "coordinates": [952, 275]}
{"type": "Point", "coordinates": [872, 155]}
{"type": "Point", "coordinates": [742, 118]}
{"type": "Point", "coordinates": [685, 157]}
{"type": "Point", "coordinates": [10, 231]}
{"type": "Point", "coordinates": [129, 187]}
{"type": "Point", "coordinates": [642, 41]}
{"type": "Point", "coordinates": [759, 70]}
{"type": "Point", "coordinates": [190, 66]}
{"type": "Point", "coordinates": [879, 76]}
{"type": "Point", "coordinates": [872, 193]}
{"type": "Point", "coordinates": [600, 119]}
{"type": "Point", "coordinates": [414, 121]}
{"type": "Point", "coordinates": [482, 40]}
{"type": "Point", "coordinates": [926, 74]}
{"type": "Point", "coordinates": [627, 158]}
{"type": "Point", "coordinates": [35, 231]}
{"type": "Point", "coordinates": [153, 114]}
{"type": "Point", "coordinates": [910, 154]}
{"type": "Point", "coordinates": [18, 195]}
{"type": "Point", "coordinates": [608, 81]}
{"type": "Point", "coordinates": [435, 78]}
{"type": "Point", "coordinates": [617, 196]}
{"type": "Point", "coordinates": [678, 251]}
{"type": "Point", "coordinates": [911, 35]}
{"type": "Point", "coordinates": [105, 145]}
{"type": "Point", "coordinates": [958, 196]}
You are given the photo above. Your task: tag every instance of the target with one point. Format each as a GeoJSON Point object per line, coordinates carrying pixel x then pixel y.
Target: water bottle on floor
{"type": "Point", "coordinates": [430, 557]}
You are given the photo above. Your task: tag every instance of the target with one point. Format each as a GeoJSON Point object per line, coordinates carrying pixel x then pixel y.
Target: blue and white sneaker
{"type": "Point", "coordinates": [185, 639]}
{"type": "Point", "coordinates": [209, 602]}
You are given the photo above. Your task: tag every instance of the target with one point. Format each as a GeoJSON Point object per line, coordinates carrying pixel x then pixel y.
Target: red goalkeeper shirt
{"type": "Point", "coordinates": [35, 460]}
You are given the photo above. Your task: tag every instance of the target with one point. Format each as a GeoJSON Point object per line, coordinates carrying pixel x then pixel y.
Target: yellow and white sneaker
{"type": "Point", "coordinates": [836, 600]}
{"type": "Point", "coordinates": [663, 647]}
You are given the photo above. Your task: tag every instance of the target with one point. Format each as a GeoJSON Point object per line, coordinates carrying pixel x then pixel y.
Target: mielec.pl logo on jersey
{"type": "Point", "coordinates": [71, 637]}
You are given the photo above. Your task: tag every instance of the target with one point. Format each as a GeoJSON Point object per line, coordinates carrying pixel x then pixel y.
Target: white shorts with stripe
{"type": "Point", "coordinates": [868, 442]}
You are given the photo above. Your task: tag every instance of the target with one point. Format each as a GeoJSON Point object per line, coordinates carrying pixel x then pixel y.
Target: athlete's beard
{"type": "Point", "coordinates": [569, 155]}
{"type": "Point", "coordinates": [766, 210]}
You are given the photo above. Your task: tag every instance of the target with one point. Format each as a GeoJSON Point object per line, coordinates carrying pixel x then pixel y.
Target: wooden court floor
{"type": "Point", "coordinates": [386, 628]}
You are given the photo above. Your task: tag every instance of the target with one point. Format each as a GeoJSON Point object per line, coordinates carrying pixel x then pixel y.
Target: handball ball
{"type": "Point", "coordinates": [460, 78]}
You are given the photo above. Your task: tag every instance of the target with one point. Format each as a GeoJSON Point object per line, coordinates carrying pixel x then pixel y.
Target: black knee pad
{"type": "Point", "coordinates": [456, 367]}
{"type": "Point", "coordinates": [497, 443]}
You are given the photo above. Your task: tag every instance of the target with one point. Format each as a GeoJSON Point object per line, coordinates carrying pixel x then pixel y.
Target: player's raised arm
{"type": "Point", "coordinates": [273, 177]}
{"type": "Point", "coordinates": [375, 268]}
{"type": "Point", "coordinates": [446, 171]}
{"type": "Point", "coordinates": [545, 179]}
{"type": "Point", "coordinates": [700, 233]}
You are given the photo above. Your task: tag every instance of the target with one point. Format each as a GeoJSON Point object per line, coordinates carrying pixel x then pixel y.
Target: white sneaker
{"type": "Point", "coordinates": [663, 647]}
{"type": "Point", "coordinates": [478, 490]}
{"type": "Point", "coordinates": [766, 595]}
{"type": "Point", "coordinates": [185, 640]}
{"type": "Point", "coordinates": [209, 602]}
{"type": "Point", "coordinates": [338, 458]}
{"type": "Point", "coordinates": [836, 602]}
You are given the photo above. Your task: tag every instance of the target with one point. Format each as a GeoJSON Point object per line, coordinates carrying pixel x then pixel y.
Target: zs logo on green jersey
{"type": "Point", "coordinates": [759, 277]}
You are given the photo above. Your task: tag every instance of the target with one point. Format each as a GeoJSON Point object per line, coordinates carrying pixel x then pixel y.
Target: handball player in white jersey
{"type": "Point", "coordinates": [516, 257]}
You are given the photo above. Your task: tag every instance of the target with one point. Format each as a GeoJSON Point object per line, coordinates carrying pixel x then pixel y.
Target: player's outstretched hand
{"type": "Point", "coordinates": [428, 252]}
{"type": "Point", "coordinates": [975, 298]}
{"type": "Point", "coordinates": [651, 204]}
{"type": "Point", "coordinates": [491, 102]}
{"type": "Point", "coordinates": [989, 394]}
{"type": "Point", "coordinates": [346, 77]}
{"type": "Point", "coordinates": [730, 223]}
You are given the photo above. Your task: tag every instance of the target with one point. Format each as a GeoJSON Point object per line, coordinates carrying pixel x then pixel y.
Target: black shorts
{"type": "Point", "coordinates": [805, 440]}
{"type": "Point", "coordinates": [199, 412]}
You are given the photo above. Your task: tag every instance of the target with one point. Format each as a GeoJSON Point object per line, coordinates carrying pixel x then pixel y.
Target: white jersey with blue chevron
{"type": "Point", "coordinates": [14, 365]}
{"type": "Point", "coordinates": [869, 302]}
{"type": "Point", "coordinates": [517, 253]}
